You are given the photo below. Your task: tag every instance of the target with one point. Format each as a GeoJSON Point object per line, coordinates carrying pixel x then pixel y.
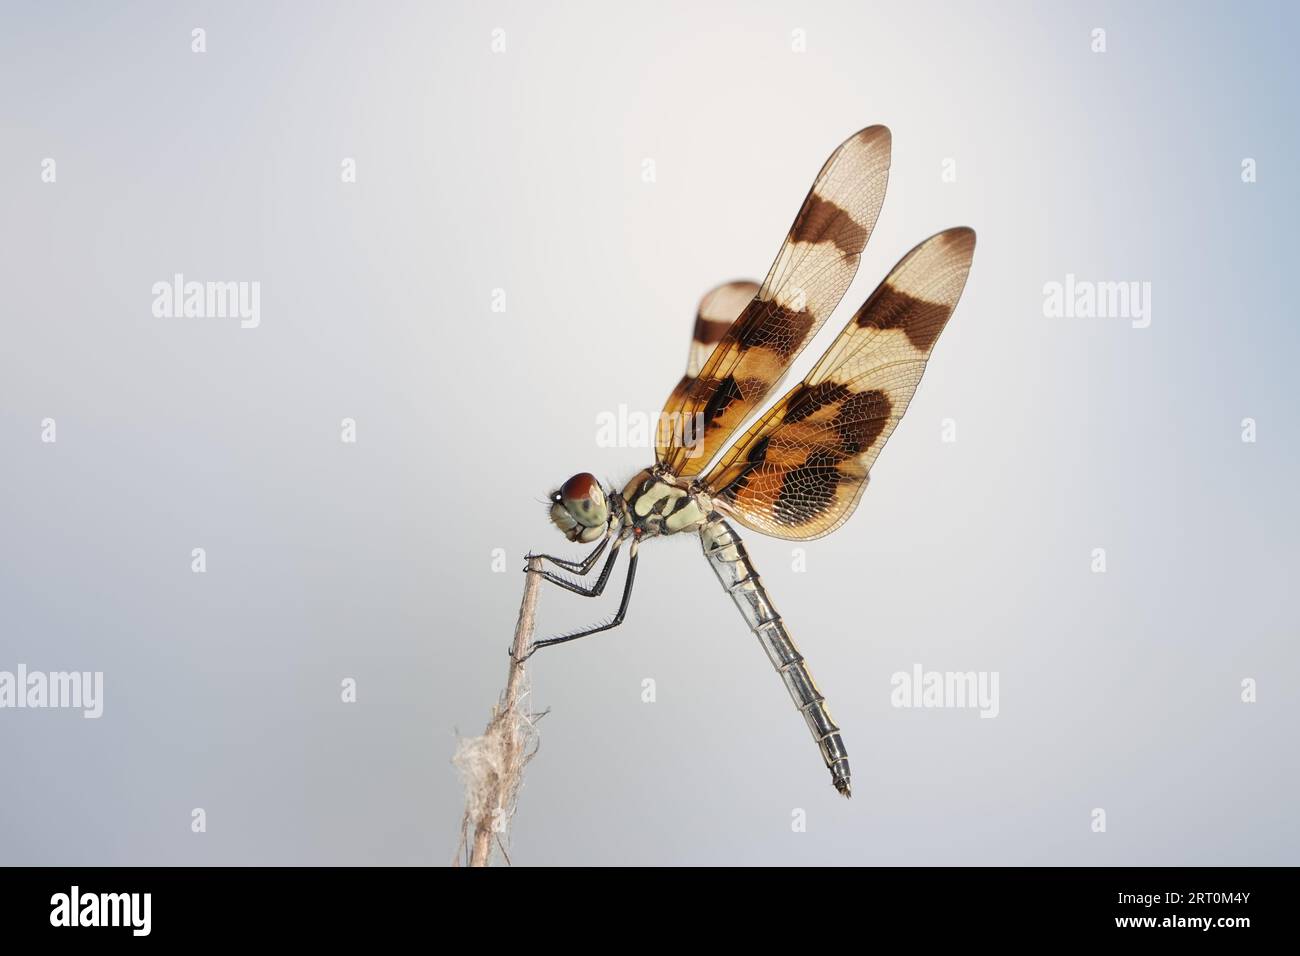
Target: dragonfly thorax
{"type": "Point", "coordinates": [663, 504]}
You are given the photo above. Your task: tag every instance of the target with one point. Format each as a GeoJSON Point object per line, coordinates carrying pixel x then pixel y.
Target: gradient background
{"type": "Point", "coordinates": [522, 171]}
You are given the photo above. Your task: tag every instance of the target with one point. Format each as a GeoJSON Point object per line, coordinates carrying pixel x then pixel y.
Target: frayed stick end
{"type": "Point", "coordinates": [492, 765]}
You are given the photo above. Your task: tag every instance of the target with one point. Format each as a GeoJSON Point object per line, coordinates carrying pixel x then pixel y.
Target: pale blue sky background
{"type": "Point", "coordinates": [522, 171]}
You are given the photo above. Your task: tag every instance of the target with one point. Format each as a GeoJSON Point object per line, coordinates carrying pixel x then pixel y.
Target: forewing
{"type": "Point", "coordinates": [815, 266]}
{"type": "Point", "coordinates": [801, 469]}
{"type": "Point", "coordinates": [719, 308]}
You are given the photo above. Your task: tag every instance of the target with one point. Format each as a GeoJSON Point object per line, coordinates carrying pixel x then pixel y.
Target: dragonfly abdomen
{"type": "Point", "coordinates": [731, 563]}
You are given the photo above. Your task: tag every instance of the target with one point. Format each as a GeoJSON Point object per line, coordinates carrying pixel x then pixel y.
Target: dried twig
{"type": "Point", "coordinates": [493, 765]}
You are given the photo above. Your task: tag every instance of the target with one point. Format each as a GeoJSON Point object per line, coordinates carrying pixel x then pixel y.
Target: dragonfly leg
{"type": "Point", "coordinates": [596, 589]}
{"type": "Point", "coordinates": [585, 632]}
{"type": "Point", "coordinates": [577, 567]}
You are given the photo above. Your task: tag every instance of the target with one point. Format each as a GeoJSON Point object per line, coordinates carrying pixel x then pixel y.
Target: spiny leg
{"type": "Point", "coordinates": [576, 567]}
{"type": "Point", "coordinates": [596, 589]}
{"type": "Point", "coordinates": [585, 632]}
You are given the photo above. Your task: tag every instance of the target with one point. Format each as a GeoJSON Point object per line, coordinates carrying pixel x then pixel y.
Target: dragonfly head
{"type": "Point", "coordinates": [579, 508]}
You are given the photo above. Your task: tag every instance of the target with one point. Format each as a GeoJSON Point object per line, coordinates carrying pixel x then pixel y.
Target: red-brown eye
{"type": "Point", "coordinates": [579, 487]}
{"type": "Point", "coordinates": [582, 497]}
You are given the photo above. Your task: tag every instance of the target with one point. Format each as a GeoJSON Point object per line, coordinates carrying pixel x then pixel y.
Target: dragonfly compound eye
{"type": "Point", "coordinates": [583, 498]}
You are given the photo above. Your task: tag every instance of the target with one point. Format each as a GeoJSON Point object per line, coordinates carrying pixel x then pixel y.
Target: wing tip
{"type": "Point", "coordinates": [877, 138]}
{"type": "Point", "coordinates": [958, 241]}
{"type": "Point", "coordinates": [876, 131]}
{"type": "Point", "coordinates": [960, 236]}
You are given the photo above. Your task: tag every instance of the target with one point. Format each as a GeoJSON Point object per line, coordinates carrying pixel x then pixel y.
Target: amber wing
{"type": "Point", "coordinates": [720, 307]}
{"type": "Point", "coordinates": [809, 277]}
{"type": "Point", "coordinates": [801, 469]}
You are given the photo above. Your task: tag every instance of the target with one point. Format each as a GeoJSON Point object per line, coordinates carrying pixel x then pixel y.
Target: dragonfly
{"type": "Point", "coordinates": [798, 471]}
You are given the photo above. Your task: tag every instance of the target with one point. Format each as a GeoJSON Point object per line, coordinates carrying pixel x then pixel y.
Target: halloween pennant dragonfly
{"type": "Point", "coordinates": [801, 467]}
